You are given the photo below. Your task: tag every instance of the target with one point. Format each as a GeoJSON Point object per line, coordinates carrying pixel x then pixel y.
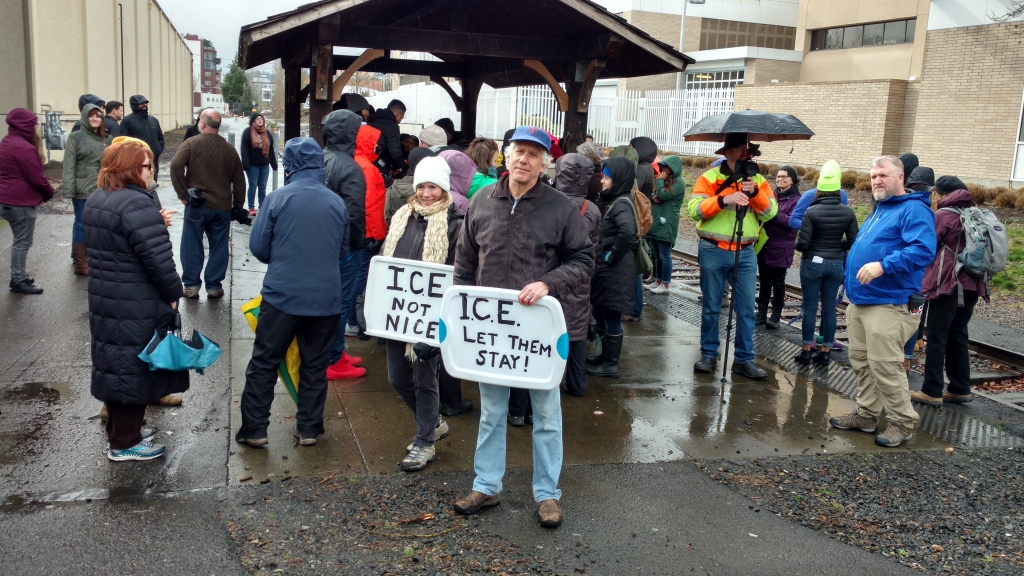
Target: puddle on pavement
{"type": "Point", "coordinates": [49, 392]}
{"type": "Point", "coordinates": [19, 435]}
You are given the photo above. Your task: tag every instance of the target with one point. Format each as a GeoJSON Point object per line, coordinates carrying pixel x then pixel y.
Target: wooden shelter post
{"type": "Point", "coordinates": [470, 95]}
{"type": "Point", "coordinates": [320, 78]}
{"type": "Point", "coordinates": [579, 85]}
{"type": "Point", "coordinates": [292, 105]}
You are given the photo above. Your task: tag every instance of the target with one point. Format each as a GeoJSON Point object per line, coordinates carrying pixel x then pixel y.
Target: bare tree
{"type": "Point", "coordinates": [1015, 13]}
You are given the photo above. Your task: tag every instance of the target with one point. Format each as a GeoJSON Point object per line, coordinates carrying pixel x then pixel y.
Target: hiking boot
{"type": "Point", "coordinates": [351, 330]}
{"type": "Point", "coordinates": [894, 435]}
{"type": "Point", "coordinates": [253, 442]}
{"type": "Point", "coordinates": [26, 287]}
{"type": "Point", "coordinates": [854, 421]}
{"type": "Point", "coordinates": [550, 513]}
{"type": "Point", "coordinates": [418, 458]}
{"type": "Point", "coordinates": [750, 370]}
{"type": "Point", "coordinates": [821, 358]}
{"type": "Point", "coordinates": [303, 441]}
{"type": "Point", "coordinates": [475, 501]}
{"type": "Point", "coordinates": [342, 370]}
{"type": "Point", "coordinates": [804, 357]}
{"type": "Point", "coordinates": [169, 400]}
{"type": "Point", "coordinates": [612, 348]}
{"type": "Point", "coordinates": [762, 315]}
{"type": "Point", "coordinates": [191, 292]}
{"type": "Point", "coordinates": [353, 360]}
{"type": "Point", "coordinates": [706, 365]}
{"type": "Point", "coordinates": [440, 433]}
{"type": "Point", "coordinates": [919, 396]}
{"type": "Point", "coordinates": [773, 321]}
{"type": "Point", "coordinates": [81, 262]}
{"type": "Point", "coordinates": [30, 281]}
{"type": "Point", "coordinates": [957, 398]}
{"type": "Point", "coordinates": [461, 408]}
{"type": "Point", "coordinates": [517, 421]}
{"type": "Point", "coordinates": [144, 450]}
{"type": "Point", "coordinates": [215, 293]}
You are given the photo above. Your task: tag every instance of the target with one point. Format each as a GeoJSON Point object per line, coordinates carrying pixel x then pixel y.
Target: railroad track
{"type": "Point", "coordinates": [690, 272]}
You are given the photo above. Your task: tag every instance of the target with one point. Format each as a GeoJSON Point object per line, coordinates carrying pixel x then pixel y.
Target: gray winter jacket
{"type": "Point", "coordinates": [341, 174]}
{"type": "Point", "coordinates": [572, 175]}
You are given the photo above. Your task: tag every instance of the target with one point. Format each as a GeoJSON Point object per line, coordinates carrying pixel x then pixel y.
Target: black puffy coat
{"type": "Point", "coordinates": [615, 275]}
{"type": "Point", "coordinates": [572, 174]}
{"type": "Point", "coordinates": [389, 145]}
{"type": "Point", "coordinates": [132, 279]}
{"type": "Point", "coordinates": [139, 124]}
{"type": "Point", "coordinates": [824, 227]}
{"type": "Point", "coordinates": [341, 173]}
{"type": "Point", "coordinates": [254, 156]}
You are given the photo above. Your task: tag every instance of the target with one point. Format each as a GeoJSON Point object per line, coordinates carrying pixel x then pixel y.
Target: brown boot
{"type": "Point", "coordinates": [81, 263]}
{"type": "Point", "coordinates": [550, 513]}
{"type": "Point", "coordinates": [475, 501]}
{"type": "Point", "coordinates": [169, 400]}
{"type": "Point", "coordinates": [103, 414]}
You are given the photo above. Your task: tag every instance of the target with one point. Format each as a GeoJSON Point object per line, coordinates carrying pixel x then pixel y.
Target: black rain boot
{"type": "Point", "coordinates": [762, 314]}
{"type": "Point", "coordinates": [611, 349]}
{"type": "Point", "coordinates": [821, 358]}
{"type": "Point", "coordinates": [804, 357]}
{"type": "Point", "coordinates": [776, 317]}
{"type": "Point", "coordinates": [599, 342]}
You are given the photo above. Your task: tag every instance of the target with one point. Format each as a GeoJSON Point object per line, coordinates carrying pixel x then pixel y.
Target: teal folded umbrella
{"type": "Point", "coordinates": [167, 351]}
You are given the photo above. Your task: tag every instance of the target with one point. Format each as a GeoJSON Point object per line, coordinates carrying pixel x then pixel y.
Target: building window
{"type": "Point", "coordinates": [713, 80]}
{"type": "Point", "coordinates": [207, 55]}
{"type": "Point", "coordinates": [207, 83]}
{"type": "Point", "coordinates": [716, 34]}
{"type": "Point", "coordinates": [896, 32]}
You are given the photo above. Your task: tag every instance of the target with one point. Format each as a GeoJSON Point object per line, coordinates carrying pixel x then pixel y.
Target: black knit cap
{"type": "Point", "coordinates": [946, 184]}
{"type": "Point", "coordinates": [922, 175]}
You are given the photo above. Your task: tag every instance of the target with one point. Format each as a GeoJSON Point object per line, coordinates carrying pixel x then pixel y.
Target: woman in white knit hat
{"type": "Point", "coordinates": [425, 229]}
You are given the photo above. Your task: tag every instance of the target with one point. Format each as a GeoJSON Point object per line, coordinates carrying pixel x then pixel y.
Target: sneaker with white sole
{"type": "Point", "coordinates": [440, 433]}
{"type": "Point", "coordinates": [144, 450]}
{"type": "Point", "coordinates": [418, 458]}
{"type": "Point", "coordinates": [351, 330]}
{"type": "Point", "coordinates": [302, 440]}
{"type": "Point", "coordinates": [191, 292]}
{"type": "Point", "coordinates": [660, 289]}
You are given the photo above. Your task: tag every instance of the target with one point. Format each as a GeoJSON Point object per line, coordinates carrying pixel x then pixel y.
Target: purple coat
{"type": "Point", "coordinates": [463, 169]}
{"type": "Point", "coordinates": [22, 182]}
{"type": "Point", "coordinates": [949, 234]}
{"type": "Point", "coordinates": [778, 251]}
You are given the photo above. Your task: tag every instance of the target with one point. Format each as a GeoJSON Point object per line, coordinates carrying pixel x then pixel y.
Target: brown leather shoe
{"type": "Point", "coordinates": [918, 396]}
{"type": "Point", "coordinates": [550, 513]}
{"type": "Point", "coordinates": [956, 398]}
{"type": "Point", "coordinates": [81, 262]}
{"type": "Point", "coordinates": [169, 400]}
{"type": "Point", "coordinates": [475, 501]}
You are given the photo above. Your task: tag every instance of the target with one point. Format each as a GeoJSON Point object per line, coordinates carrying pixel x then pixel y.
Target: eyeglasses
{"type": "Point", "coordinates": [147, 166]}
{"type": "Point", "coordinates": [783, 176]}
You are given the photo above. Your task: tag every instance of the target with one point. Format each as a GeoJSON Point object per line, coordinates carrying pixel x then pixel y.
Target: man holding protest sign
{"type": "Point", "coordinates": [522, 235]}
{"type": "Point", "coordinates": [426, 229]}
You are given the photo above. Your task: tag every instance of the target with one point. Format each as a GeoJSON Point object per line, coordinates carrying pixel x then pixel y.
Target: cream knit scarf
{"type": "Point", "coordinates": [435, 241]}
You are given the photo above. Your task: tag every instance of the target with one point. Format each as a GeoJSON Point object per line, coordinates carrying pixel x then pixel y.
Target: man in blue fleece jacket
{"type": "Point", "coordinates": [884, 268]}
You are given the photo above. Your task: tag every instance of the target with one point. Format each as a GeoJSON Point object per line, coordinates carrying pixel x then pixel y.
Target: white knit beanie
{"type": "Point", "coordinates": [433, 136]}
{"type": "Point", "coordinates": [434, 170]}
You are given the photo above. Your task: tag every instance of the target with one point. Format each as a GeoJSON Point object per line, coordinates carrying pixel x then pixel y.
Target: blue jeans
{"type": "Point", "coordinates": [638, 297]}
{"type": "Point", "coordinates": [819, 282]}
{"type": "Point", "coordinates": [348, 268]}
{"type": "Point", "coordinates": [609, 320]}
{"type": "Point", "coordinates": [78, 230]}
{"type": "Point", "coordinates": [908, 348]}
{"type": "Point", "coordinates": [715, 270]}
{"type": "Point", "coordinates": [662, 256]}
{"type": "Point", "coordinates": [216, 224]}
{"type": "Point", "coordinates": [257, 177]}
{"type": "Point", "coordinates": [362, 257]}
{"type": "Point", "coordinates": [489, 461]}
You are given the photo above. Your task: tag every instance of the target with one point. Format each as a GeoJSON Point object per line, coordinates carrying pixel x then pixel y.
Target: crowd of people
{"type": "Point", "coordinates": [585, 237]}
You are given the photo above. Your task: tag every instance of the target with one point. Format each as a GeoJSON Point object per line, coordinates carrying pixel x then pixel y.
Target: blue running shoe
{"type": "Point", "coordinates": [144, 450]}
{"type": "Point", "coordinates": [148, 434]}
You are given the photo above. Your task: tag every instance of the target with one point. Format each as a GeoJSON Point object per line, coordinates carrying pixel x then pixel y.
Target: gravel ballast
{"type": "Point", "coordinates": [956, 513]}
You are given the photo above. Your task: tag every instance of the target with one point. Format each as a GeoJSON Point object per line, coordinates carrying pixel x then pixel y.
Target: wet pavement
{"type": "Point", "coordinates": [657, 414]}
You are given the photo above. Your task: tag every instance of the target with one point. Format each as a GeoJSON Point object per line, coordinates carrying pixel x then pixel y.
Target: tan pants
{"type": "Point", "coordinates": [877, 335]}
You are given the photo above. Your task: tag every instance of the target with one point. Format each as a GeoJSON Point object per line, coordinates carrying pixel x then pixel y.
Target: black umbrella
{"type": "Point", "coordinates": [759, 126]}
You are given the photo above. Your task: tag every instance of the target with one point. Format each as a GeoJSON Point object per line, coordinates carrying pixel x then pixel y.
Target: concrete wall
{"type": "Point", "coordinates": [664, 27]}
{"type": "Point", "coordinates": [763, 71]}
{"type": "Point", "coordinates": [74, 48]}
{"type": "Point", "coordinates": [853, 122]}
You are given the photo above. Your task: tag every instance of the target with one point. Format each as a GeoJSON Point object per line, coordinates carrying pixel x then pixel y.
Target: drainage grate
{"type": "Point", "coordinates": [948, 425]}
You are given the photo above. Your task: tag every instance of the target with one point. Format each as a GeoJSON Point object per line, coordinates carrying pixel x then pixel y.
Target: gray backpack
{"type": "Point", "coordinates": [987, 246]}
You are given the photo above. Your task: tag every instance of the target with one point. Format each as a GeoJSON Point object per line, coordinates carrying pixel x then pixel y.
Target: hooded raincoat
{"type": "Point", "coordinates": [572, 174]}
{"type": "Point", "coordinates": [665, 212]}
{"type": "Point", "coordinates": [615, 272]}
{"type": "Point", "coordinates": [463, 170]}
{"type": "Point", "coordinates": [22, 181]}
{"type": "Point", "coordinates": [94, 100]}
{"type": "Point", "coordinates": [139, 124]}
{"type": "Point", "coordinates": [366, 155]}
{"type": "Point", "coordinates": [83, 156]}
{"type": "Point", "coordinates": [647, 151]}
{"type": "Point", "coordinates": [341, 173]}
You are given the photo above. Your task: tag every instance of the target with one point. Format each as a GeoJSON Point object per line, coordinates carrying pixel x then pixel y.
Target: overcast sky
{"type": "Point", "coordinates": [219, 21]}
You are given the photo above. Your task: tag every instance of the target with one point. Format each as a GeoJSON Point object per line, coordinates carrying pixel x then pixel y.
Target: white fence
{"type": "Point", "coordinates": [615, 117]}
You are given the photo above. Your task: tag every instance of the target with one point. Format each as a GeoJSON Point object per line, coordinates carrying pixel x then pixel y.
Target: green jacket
{"type": "Point", "coordinates": [83, 156]}
{"type": "Point", "coordinates": [666, 211]}
{"type": "Point", "coordinates": [479, 181]}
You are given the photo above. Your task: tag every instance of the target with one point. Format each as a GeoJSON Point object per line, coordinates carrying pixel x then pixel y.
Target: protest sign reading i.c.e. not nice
{"type": "Point", "coordinates": [486, 335]}
{"type": "Point", "coordinates": [403, 299]}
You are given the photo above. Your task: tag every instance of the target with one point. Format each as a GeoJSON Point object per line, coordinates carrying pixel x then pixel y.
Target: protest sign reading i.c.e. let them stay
{"type": "Point", "coordinates": [403, 299]}
{"type": "Point", "coordinates": [486, 335]}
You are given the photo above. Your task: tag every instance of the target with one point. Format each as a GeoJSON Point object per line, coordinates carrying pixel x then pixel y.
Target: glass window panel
{"type": "Point", "coordinates": [872, 34]}
{"type": "Point", "coordinates": [817, 39]}
{"type": "Point", "coordinates": [895, 32]}
{"type": "Point", "coordinates": [911, 29]}
{"type": "Point", "coordinates": [733, 41]}
{"type": "Point", "coordinates": [852, 36]}
{"type": "Point", "coordinates": [732, 25]}
{"type": "Point", "coordinates": [790, 43]}
{"type": "Point", "coordinates": [833, 38]}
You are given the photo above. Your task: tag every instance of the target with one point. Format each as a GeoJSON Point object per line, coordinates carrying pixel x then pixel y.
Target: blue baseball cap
{"type": "Point", "coordinates": [532, 134]}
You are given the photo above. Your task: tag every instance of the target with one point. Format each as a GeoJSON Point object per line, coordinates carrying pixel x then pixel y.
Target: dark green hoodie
{"type": "Point", "coordinates": [665, 212]}
{"type": "Point", "coordinates": [83, 156]}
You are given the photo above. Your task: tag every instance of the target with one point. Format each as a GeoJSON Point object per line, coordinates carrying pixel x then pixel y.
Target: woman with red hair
{"type": "Point", "coordinates": [134, 290]}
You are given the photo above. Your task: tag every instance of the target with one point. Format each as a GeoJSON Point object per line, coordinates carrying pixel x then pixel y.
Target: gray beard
{"type": "Point", "coordinates": [882, 196]}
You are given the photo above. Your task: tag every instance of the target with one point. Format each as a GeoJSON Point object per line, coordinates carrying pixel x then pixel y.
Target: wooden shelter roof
{"type": "Point", "coordinates": [490, 41]}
